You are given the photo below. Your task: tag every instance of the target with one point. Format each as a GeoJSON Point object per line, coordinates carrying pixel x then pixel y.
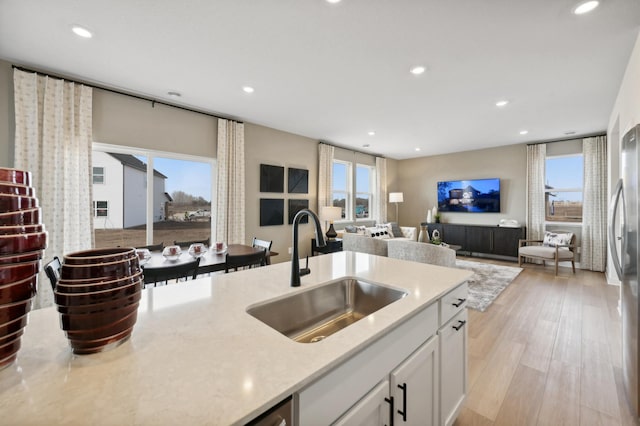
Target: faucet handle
{"type": "Point", "coordinates": [305, 270]}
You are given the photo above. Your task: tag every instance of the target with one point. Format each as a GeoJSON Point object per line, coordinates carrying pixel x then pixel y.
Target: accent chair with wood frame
{"type": "Point", "coordinates": [557, 246]}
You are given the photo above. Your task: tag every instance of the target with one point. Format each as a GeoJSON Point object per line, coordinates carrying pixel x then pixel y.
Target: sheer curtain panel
{"type": "Point", "coordinates": [230, 215]}
{"type": "Point", "coordinates": [536, 157]}
{"type": "Point", "coordinates": [594, 204]}
{"type": "Point", "coordinates": [53, 140]}
{"type": "Point", "coordinates": [381, 184]}
{"type": "Point", "coordinates": [325, 173]}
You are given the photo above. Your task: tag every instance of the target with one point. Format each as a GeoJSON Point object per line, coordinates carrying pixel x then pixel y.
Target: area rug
{"type": "Point", "coordinates": [487, 282]}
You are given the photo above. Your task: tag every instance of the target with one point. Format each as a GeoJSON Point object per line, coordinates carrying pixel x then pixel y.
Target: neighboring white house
{"type": "Point", "coordinates": [119, 191]}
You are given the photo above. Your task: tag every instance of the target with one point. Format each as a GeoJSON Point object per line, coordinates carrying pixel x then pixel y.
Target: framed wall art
{"type": "Point", "coordinates": [298, 181]}
{"type": "Point", "coordinates": [294, 207]}
{"type": "Point", "coordinates": [271, 178]}
{"type": "Point", "coordinates": [271, 211]}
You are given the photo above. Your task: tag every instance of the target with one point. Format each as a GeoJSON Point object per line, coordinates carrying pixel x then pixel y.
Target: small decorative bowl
{"type": "Point", "coordinates": [172, 252]}
{"type": "Point", "coordinates": [143, 255]}
{"type": "Point", "coordinates": [197, 250]}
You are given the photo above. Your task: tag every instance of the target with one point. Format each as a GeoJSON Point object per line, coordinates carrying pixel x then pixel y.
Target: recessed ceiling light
{"type": "Point", "coordinates": [248, 89]}
{"type": "Point", "coordinates": [524, 132]}
{"type": "Point", "coordinates": [174, 94]}
{"type": "Point", "coordinates": [417, 149]}
{"type": "Point", "coordinates": [417, 70]}
{"type": "Point", "coordinates": [333, 1]}
{"type": "Point", "coordinates": [570, 133]}
{"type": "Point", "coordinates": [366, 145]}
{"type": "Point", "coordinates": [81, 31]}
{"type": "Point", "coordinates": [502, 103]}
{"type": "Point", "coordinates": [586, 7]}
{"type": "Point", "coordinates": [371, 133]}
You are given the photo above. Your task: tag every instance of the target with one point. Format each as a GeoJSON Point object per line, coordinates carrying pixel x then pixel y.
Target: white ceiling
{"type": "Point", "coordinates": [334, 72]}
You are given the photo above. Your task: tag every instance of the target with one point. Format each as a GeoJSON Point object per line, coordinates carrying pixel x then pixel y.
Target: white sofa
{"type": "Point", "coordinates": [404, 248]}
{"type": "Point", "coordinates": [364, 243]}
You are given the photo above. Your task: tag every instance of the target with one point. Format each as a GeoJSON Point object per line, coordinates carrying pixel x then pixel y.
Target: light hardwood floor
{"type": "Point", "coordinates": [547, 352]}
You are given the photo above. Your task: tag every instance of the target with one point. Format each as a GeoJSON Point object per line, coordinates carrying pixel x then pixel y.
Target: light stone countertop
{"type": "Point", "coordinates": [196, 356]}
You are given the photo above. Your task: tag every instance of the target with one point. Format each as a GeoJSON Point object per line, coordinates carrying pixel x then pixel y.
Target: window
{"type": "Point", "coordinates": [563, 189]}
{"type": "Point", "coordinates": [151, 197]}
{"type": "Point", "coordinates": [98, 175]}
{"type": "Point", "coordinates": [353, 191]}
{"type": "Point", "coordinates": [364, 191]}
{"type": "Point", "coordinates": [100, 209]}
{"type": "Point", "coordinates": [342, 187]}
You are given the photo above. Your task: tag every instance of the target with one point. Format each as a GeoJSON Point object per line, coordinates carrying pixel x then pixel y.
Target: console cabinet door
{"type": "Point", "coordinates": [454, 234]}
{"type": "Point", "coordinates": [453, 367]}
{"type": "Point", "coordinates": [505, 241]}
{"type": "Point", "coordinates": [372, 410]}
{"type": "Point", "coordinates": [415, 388]}
{"type": "Point", "coordinates": [479, 239]}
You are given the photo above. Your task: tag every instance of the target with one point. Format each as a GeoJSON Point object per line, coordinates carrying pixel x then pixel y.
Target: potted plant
{"type": "Point", "coordinates": [437, 217]}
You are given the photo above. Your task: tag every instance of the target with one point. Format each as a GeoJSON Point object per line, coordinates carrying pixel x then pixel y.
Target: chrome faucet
{"type": "Point", "coordinates": [295, 265]}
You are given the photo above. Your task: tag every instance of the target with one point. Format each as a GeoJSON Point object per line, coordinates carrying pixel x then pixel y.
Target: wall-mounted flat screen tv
{"type": "Point", "coordinates": [471, 196]}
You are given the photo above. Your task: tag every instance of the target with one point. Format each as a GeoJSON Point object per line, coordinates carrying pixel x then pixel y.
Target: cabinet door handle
{"type": "Point", "coordinates": [391, 412]}
{"type": "Point", "coordinates": [460, 302]}
{"type": "Point", "coordinates": [459, 326]}
{"type": "Point", "coordinates": [403, 412]}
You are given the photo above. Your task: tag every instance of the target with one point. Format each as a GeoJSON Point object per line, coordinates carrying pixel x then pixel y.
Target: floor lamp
{"type": "Point", "coordinates": [396, 197]}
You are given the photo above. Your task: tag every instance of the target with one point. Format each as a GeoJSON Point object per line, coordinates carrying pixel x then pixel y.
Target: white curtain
{"type": "Point", "coordinates": [230, 215]}
{"type": "Point", "coordinates": [53, 140]}
{"type": "Point", "coordinates": [381, 184]}
{"type": "Point", "coordinates": [325, 174]}
{"type": "Point", "coordinates": [593, 253]}
{"type": "Point", "coordinates": [536, 158]}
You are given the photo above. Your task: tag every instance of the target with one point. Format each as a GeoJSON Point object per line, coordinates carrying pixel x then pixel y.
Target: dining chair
{"type": "Point", "coordinates": [52, 269]}
{"type": "Point", "coordinates": [245, 260]}
{"type": "Point", "coordinates": [263, 243]}
{"type": "Point", "coordinates": [186, 244]}
{"type": "Point", "coordinates": [153, 247]}
{"type": "Point", "coordinates": [156, 274]}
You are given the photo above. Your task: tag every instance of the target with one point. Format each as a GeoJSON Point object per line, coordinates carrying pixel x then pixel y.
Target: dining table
{"type": "Point", "coordinates": [211, 261]}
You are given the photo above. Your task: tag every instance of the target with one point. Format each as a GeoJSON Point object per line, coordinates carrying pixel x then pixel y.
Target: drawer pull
{"type": "Point", "coordinates": [391, 412]}
{"type": "Point", "coordinates": [403, 412]}
{"type": "Point", "coordinates": [460, 302]}
{"type": "Point", "coordinates": [459, 326]}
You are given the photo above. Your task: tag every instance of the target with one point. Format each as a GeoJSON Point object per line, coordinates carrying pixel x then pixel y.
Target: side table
{"type": "Point", "coordinates": [331, 246]}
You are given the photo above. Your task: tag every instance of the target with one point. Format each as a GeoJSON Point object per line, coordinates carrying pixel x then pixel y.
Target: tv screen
{"type": "Point", "coordinates": [472, 196]}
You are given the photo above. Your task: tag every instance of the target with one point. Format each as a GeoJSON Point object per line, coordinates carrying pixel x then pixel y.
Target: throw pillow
{"type": "Point", "coordinates": [350, 229]}
{"type": "Point", "coordinates": [553, 239]}
{"type": "Point", "coordinates": [362, 230]}
{"type": "Point", "coordinates": [395, 230]}
{"type": "Point", "coordinates": [381, 234]}
{"type": "Point", "coordinates": [389, 228]}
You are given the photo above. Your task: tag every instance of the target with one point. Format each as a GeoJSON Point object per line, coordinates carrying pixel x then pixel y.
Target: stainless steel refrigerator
{"type": "Point", "coordinates": [625, 260]}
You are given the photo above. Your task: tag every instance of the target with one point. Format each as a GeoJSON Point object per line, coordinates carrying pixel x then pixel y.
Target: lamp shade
{"type": "Point", "coordinates": [396, 197]}
{"type": "Point", "coordinates": [330, 213]}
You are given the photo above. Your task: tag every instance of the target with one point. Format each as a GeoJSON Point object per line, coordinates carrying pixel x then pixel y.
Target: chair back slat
{"type": "Point", "coordinates": [52, 269]}
{"type": "Point", "coordinates": [165, 273]}
{"type": "Point", "coordinates": [245, 260]}
{"type": "Point", "coordinates": [262, 243]}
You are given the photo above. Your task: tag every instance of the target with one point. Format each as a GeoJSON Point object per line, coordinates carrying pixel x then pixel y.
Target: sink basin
{"type": "Point", "coordinates": [312, 315]}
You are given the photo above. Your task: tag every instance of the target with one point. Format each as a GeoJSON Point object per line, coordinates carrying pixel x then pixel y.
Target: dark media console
{"type": "Point", "coordinates": [480, 239]}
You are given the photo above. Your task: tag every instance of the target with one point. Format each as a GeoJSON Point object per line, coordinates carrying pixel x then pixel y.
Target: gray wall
{"type": "Point", "coordinates": [417, 179]}
{"type": "Point", "coordinates": [7, 124]}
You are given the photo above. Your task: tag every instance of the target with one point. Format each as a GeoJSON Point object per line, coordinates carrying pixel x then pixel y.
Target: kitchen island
{"type": "Point", "coordinates": [197, 357]}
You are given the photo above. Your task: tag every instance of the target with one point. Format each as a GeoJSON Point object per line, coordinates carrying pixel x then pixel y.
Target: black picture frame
{"type": "Point", "coordinates": [271, 178]}
{"type": "Point", "coordinates": [271, 211]}
{"type": "Point", "coordinates": [298, 181]}
{"type": "Point", "coordinates": [294, 207]}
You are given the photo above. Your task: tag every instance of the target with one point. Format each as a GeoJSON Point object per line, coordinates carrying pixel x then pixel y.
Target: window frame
{"type": "Point", "coordinates": [371, 194]}
{"type": "Point", "coordinates": [96, 209]}
{"type": "Point", "coordinates": [94, 174]}
{"type": "Point", "coordinates": [348, 207]}
{"type": "Point", "coordinates": [150, 154]}
{"type": "Point", "coordinates": [580, 190]}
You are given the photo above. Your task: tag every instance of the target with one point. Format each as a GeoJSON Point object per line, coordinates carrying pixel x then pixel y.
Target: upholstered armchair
{"type": "Point", "coordinates": [556, 246]}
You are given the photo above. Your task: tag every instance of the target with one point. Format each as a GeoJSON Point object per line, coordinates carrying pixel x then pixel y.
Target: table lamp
{"type": "Point", "coordinates": [396, 197]}
{"type": "Point", "coordinates": [330, 214]}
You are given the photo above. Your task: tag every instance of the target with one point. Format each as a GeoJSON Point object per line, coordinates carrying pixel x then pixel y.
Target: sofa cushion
{"type": "Point", "coordinates": [545, 252]}
{"type": "Point", "coordinates": [395, 230]}
{"type": "Point", "coordinates": [421, 252]}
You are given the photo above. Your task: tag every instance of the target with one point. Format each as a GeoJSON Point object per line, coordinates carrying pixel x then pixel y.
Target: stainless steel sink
{"type": "Point", "coordinates": [312, 315]}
